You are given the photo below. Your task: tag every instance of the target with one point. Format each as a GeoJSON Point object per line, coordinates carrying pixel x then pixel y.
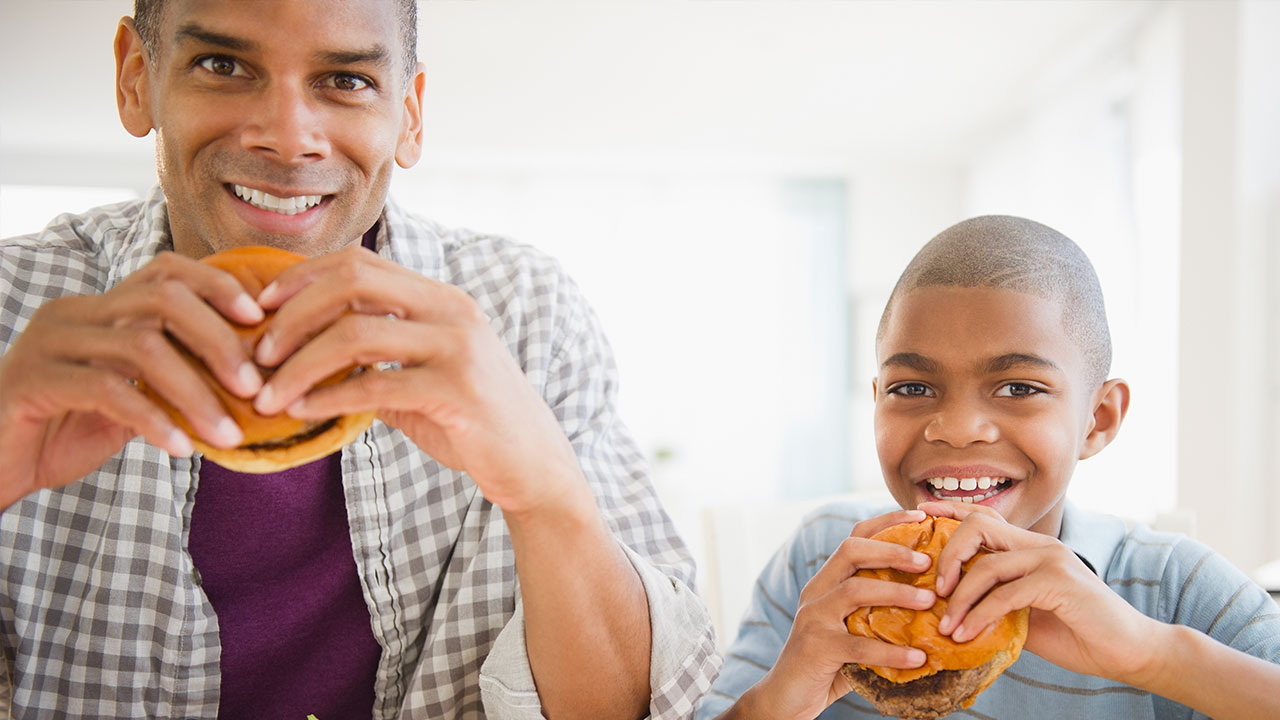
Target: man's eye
{"type": "Point", "coordinates": [1017, 390]}
{"type": "Point", "coordinates": [348, 81]}
{"type": "Point", "coordinates": [911, 390]}
{"type": "Point", "coordinates": [222, 65]}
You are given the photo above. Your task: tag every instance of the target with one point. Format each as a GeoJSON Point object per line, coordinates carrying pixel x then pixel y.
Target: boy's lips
{"type": "Point", "coordinates": [970, 484]}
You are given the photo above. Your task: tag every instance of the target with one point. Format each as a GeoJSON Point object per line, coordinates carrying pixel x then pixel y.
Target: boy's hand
{"type": "Point", "coordinates": [1076, 621]}
{"type": "Point", "coordinates": [806, 678]}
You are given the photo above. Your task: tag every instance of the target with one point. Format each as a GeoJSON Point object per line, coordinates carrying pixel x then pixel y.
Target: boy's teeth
{"type": "Point", "coordinates": [993, 485]}
{"type": "Point", "coordinates": [284, 206]}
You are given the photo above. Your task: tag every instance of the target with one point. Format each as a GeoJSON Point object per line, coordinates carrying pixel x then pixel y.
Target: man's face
{"type": "Point", "coordinates": [278, 121]}
{"type": "Point", "coordinates": [981, 391]}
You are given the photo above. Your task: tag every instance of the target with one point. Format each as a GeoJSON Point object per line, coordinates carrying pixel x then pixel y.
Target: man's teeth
{"type": "Point", "coordinates": [284, 206]}
{"type": "Point", "coordinates": [943, 485]}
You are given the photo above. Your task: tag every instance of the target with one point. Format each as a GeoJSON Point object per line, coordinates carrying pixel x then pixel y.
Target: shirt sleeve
{"type": "Point", "coordinates": [1200, 589]}
{"type": "Point", "coordinates": [580, 385]}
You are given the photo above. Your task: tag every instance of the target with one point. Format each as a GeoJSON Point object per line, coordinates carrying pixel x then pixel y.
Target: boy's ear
{"type": "Point", "coordinates": [1108, 412]}
{"type": "Point", "coordinates": [133, 80]}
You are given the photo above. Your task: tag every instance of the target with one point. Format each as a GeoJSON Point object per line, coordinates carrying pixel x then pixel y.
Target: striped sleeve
{"type": "Point", "coordinates": [774, 599]}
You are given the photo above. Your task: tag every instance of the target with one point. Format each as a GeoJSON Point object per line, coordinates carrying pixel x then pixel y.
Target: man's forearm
{"type": "Point", "coordinates": [586, 612]}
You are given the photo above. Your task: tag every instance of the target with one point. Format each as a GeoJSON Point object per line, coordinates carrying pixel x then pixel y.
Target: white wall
{"type": "Point", "coordinates": [1227, 469]}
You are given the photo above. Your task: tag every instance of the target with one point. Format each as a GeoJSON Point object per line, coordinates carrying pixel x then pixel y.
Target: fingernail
{"type": "Point", "coordinates": [916, 657]}
{"type": "Point", "coordinates": [179, 444]}
{"type": "Point", "coordinates": [244, 306]}
{"type": "Point", "coordinates": [298, 408]}
{"type": "Point", "coordinates": [250, 379]}
{"type": "Point", "coordinates": [266, 293]}
{"type": "Point", "coordinates": [920, 558]}
{"type": "Point", "coordinates": [960, 634]}
{"type": "Point", "coordinates": [265, 345]}
{"type": "Point", "coordinates": [925, 596]}
{"type": "Point", "coordinates": [228, 432]}
{"type": "Point", "coordinates": [263, 401]}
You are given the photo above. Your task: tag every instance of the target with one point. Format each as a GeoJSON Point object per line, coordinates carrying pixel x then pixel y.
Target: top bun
{"type": "Point", "coordinates": [276, 442]}
{"type": "Point", "coordinates": [919, 629]}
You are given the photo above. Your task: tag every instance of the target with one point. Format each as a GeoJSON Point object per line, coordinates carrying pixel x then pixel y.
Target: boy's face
{"type": "Point", "coordinates": [981, 386]}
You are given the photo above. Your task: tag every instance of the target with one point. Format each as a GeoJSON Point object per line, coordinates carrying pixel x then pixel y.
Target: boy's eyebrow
{"type": "Point", "coordinates": [192, 31]}
{"type": "Point", "coordinates": [912, 361]}
{"type": "Point", "coordinates": [1008, 361]}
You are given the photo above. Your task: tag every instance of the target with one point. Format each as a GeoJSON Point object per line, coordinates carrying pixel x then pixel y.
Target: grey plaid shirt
{"type": "Point", "coordinates": [102, 610]}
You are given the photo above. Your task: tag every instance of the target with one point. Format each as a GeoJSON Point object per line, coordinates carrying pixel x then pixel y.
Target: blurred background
{"type": "Point", "coordinates": [737, 185]}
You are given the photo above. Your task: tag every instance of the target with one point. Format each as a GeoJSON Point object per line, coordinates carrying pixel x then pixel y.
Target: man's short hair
{"type": "Point", "coordinates": [148, 16]}
{"type": "Point", "coordinates": [1013, 253]}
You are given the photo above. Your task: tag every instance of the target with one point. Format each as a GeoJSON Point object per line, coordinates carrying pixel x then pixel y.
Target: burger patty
{"type": "Point", "coordinates": [932, 696]}
{"type": "Point", "coordinates": [287, 442]}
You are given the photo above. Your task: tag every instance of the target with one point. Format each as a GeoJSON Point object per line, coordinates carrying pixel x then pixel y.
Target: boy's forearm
{"type": "Point", "coordinates": [1215, 679]}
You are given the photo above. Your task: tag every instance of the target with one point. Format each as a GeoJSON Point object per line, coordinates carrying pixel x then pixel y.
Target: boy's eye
{"type": "Point", "coordinates": [222, 65]}
{"type": "Point", "coordinates": [1016, 389]}
{"type": "Point", "coordinates": [911, 390]}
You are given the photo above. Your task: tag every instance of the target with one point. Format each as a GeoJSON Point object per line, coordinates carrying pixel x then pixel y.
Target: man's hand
{"type": "Point", "coordinates": [458, 393]}
{"type": "Point", "coordinates": [1076, 621]}
{"type": "Point", "coordinates": [806, 678]}
{"type": "Point", "coordinates": [463, 399]}
{"type": "Point", "coordinates": [67, 395]}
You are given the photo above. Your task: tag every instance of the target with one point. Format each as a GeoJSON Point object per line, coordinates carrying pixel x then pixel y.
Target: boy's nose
{"type": "Point", "coordinates": [286, 126]}
{"type": "Point", "coordinates": [959, 424]}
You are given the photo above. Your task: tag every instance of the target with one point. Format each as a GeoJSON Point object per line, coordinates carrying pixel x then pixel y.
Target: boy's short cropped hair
{"type": "Point", "coordinates": [1014, 253]}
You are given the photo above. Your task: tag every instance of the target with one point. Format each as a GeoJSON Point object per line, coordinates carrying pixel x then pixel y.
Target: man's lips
{"type": "Point", "coordinates": [282, 204]}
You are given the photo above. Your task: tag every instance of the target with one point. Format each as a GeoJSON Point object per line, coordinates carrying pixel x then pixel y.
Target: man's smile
{"type": "Point", "coordinates": [271, 203]}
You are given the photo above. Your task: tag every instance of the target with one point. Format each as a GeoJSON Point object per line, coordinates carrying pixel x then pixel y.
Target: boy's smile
{"type": "Point", "coordinates": [982, 397]}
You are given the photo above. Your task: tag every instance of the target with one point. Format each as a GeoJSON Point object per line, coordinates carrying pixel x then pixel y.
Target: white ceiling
{"type": "Point", "coordinates": [911, 80]}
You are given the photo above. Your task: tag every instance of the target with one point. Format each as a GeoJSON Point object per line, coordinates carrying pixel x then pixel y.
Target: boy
{"type": "Point", "coordinates": [993, 353]}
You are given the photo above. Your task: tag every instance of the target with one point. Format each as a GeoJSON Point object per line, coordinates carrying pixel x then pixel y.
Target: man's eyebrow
{"type": "Point", "coordinates": [913, 361]}
{"type": "Point", "coordinates": [192, 31]}
{"type": "Point", "coordinates": [376, 54]}
{"type": "Point", "coordinates": [1008, 361]}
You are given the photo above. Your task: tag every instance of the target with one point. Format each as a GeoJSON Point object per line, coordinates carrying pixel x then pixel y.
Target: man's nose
{"type": "Point", "coordinates": [286, 125]}
{"type": "Point", "coordinates": [960, 422]}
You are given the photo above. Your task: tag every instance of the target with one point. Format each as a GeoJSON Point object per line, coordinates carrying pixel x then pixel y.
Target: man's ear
{"type": "Point", "coordinates": [409, 146]}
{"type": "Point", "coordinates": [1108, 412]}
{"type": "Point", "coordinates": [133, 80]}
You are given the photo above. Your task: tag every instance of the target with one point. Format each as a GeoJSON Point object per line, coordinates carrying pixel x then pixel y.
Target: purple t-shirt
{"type": "Point", "coordinates": [274, 556]}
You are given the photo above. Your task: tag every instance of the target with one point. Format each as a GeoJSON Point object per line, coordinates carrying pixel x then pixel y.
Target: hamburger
{"type": "Point", "coordinates": [954, 673]}
{"type": "Point", "coordinates": [271, 443]}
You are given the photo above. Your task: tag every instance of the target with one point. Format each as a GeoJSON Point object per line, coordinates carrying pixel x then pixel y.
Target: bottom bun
{"type": "Point", "coordinates": [932, 696]}
{"type": "Point", "coordinates": [325, 438]}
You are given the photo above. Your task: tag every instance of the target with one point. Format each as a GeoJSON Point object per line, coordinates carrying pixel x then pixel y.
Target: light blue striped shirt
{"type": "Point", "coordinates": [1168, 577]}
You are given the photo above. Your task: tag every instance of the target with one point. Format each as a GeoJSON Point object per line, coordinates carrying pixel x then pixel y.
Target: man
{"type": "Point", "coordinates": [140, 581]}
